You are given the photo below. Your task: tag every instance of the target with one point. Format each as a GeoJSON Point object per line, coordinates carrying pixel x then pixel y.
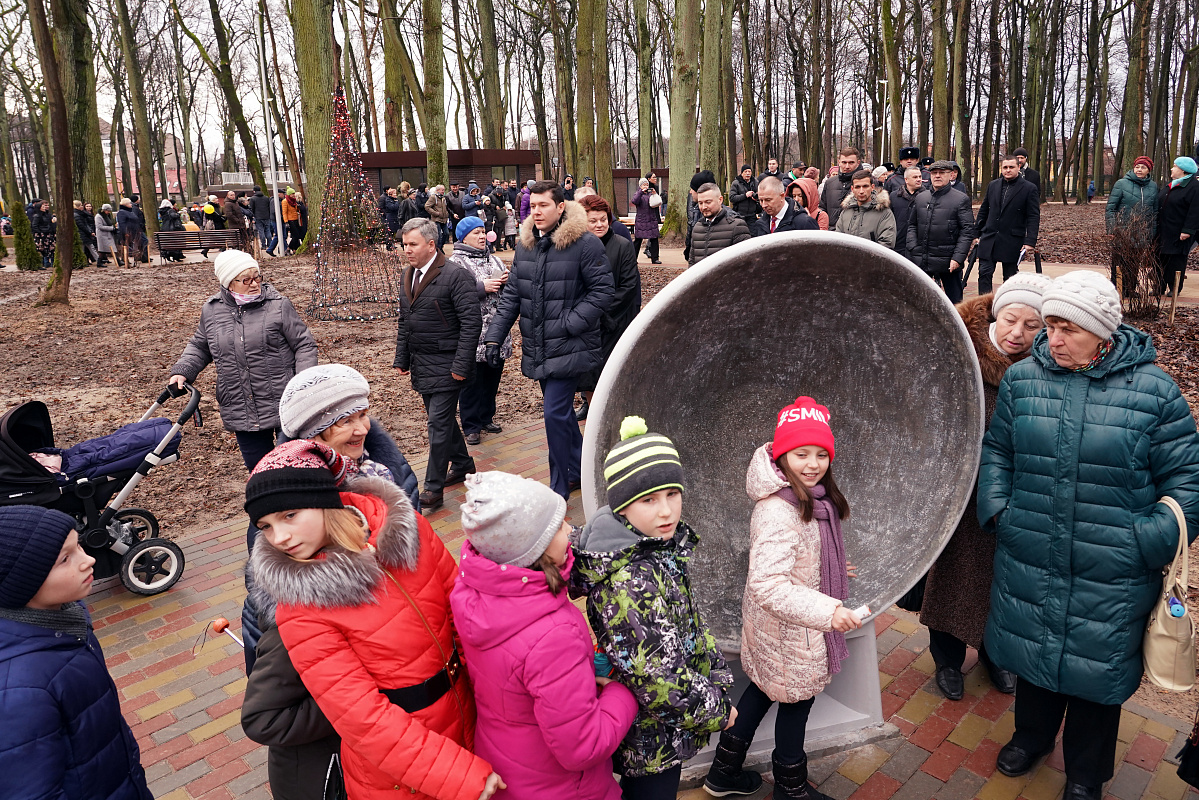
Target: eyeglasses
{"type": "Point", "coordinates": [252, 279]}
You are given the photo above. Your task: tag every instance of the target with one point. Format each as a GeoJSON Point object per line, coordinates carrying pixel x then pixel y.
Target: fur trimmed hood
{"type": "Point", "coordinates": [571, 226]}
{"type": "Point", "coordinates": [341, 578]}
{"type": "Point", "coordinates": [879, 199]}
{"type": "Point", "coordinates": [976, 313]}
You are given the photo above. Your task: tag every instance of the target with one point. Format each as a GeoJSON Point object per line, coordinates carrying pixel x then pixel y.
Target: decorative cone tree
{"type": "Point", "coordinates": [356, 279]}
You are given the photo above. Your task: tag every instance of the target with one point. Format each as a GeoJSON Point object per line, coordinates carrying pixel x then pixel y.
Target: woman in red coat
{"type": "Point", "coordinates": [362, 584]}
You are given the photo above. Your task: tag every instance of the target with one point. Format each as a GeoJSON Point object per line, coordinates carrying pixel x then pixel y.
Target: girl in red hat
{"type": "Point", "coordinates": [794, 619]}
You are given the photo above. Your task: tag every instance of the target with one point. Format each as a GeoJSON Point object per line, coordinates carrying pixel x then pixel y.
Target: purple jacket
{"type": "Point", "coordinates": [523, 211]}
{"type": "Point", "coordinates": [645, 226]}
{"type": "Point", "coordinates": [540, 724]}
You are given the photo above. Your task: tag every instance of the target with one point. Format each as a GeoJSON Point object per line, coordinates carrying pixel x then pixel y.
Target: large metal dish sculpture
{"type": "Point", "coordinates": [714, 356]}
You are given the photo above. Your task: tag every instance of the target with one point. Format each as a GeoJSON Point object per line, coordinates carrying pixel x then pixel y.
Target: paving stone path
{"type": "Point", "coordinates": [181, 688]}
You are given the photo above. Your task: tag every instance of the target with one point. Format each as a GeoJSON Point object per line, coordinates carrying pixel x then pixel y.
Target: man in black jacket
{"type": "Point", "coordinates": [1026, 172]}
{"type": "Point", "coordinates": [772, 170]}
{"type": "Point", "coordinates": [837, 187]}
{"type": "Point", "coordinates": [453, 204]}
{"type": "Point", "coordinates": [389, 206]}
{"type": "Point", "coordinates": [560, 285]}
{"type": "Point", "coordinates": [260, 205]}
{"type": "Point", "coordinates": [778, 213]}
{"type": "Point", "coordinates": [1009, 220]}
{"type": "Point", "coordinates": [939, 231]}
{"type": "Point", "coordinates": [743, 195]}
{"type": "Point", "coordinates": [436, 340]}
{"type": "Point", "coordinates": [901, 204]}
{"type": "Point", "coordinates": [908, 157]}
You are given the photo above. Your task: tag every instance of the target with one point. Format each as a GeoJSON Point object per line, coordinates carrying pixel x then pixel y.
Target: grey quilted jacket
{"type": "Point", "coordinates": [257, 349]}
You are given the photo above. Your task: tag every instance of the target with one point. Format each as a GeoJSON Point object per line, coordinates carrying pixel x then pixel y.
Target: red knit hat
{"type": "Point", "coordinates": [1146, 160]}
{"type": "Point", "coordinates": [803, 422]}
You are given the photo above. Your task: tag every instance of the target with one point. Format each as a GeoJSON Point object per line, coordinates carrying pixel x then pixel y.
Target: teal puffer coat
{"type": "Point", "coordinates": [1073, 466]}
{"type": "Point", "coordinates": [1132, 195]}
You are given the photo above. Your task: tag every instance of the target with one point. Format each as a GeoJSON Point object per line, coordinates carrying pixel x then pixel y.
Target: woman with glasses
{"type": "Point", "coordinates": [258, 342]}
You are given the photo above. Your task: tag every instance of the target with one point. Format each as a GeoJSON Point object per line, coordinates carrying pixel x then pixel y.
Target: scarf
{"type": "Point", "coordinates": [242, 299]}
{"type": "Point", "coordinates": [1104, 349]}
{"type": "Point", "coordinates": [1181, 181]}
{"type": "Point", "coordinates": [834, 581]}
{"type": "Point", "coordinates": [71, 619]}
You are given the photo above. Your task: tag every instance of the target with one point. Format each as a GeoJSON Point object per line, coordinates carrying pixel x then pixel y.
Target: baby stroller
{"type": "Point", "coordinates": [123, 541]}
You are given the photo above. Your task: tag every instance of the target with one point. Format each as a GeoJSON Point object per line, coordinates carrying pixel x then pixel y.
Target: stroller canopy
{"type": "Point", "coordinates": [23, 480]}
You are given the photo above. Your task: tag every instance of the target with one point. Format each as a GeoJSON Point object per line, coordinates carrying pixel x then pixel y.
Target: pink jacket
{"type": "Point", "coordinates": [783, 612]}
{"type": "Point", "coordinates": [542, 725]}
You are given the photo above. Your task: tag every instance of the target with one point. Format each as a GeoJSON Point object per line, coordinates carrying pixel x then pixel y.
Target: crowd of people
{"type": "Point", "coordinates": [376, 659]}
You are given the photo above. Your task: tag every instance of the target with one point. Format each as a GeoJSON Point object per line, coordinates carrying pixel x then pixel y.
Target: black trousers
{"type": "Point", "coordinates": [662, 786]}
{"type": "Point", "coordinates": [254, 445]}
{"type": "Point", "coordinates": [446, 446]}
{"type": "Point", "coordinates": [952, 284]}
{"type": "Point", "coordinates": [790, 724]}
{"type": "Point", "coordinates": [651, 246]}
{"type": "Point", "coordinates": [1089, 740]}
{"type": "Point", "coordinates": [986, 269]}
{"type": "Point", "coordinates": [477, 403]}
{"type": "Point", "coordinates": [1172, 264]}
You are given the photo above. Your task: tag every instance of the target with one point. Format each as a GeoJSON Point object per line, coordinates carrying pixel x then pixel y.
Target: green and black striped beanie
{"type": "Point", "coordinates": [642, 463]}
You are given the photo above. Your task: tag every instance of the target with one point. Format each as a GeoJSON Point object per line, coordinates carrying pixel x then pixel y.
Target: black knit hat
{"type": "Point", "coordinates": [702, 177]}
{"type": "Point", "coordinates": [31, 537]}
{"type": "Point", "coordinates": [642, 463]}
{"type": "Point", "coordinates": [296, 474]}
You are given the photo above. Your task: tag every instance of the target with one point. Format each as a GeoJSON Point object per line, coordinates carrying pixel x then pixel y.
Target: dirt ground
{"type": "Point", "coordinates": [100, 363]}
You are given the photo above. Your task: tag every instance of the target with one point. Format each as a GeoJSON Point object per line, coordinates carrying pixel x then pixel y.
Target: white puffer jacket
{"type": "Point", "coordinates": [784, 615]}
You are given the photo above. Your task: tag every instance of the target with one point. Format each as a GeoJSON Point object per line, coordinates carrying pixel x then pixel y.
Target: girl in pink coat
{"type": "Point", "coordinates": [793, 617]}
{"type": "Point", "coordinates": [546, 722]}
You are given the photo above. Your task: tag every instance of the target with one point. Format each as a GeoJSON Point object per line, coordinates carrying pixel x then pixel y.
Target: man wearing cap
{"type": "Point", "coordinates": [940, 227]}
{"type": "Point", "coordinates": [908, 157]}
{"type": "Point", "coordinates": [1026, 172]}
{"type": "Point", "coordinates": [1008, 223]}
{"type": "Point", "coordinates": [743, 195]}
{"type": "Point", "coordinates": [436, 341]}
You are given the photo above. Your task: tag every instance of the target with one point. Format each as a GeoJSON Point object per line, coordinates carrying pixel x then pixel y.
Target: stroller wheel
{"type": "Point", "coordinates": [134, 524]}
{"type": "Point", "coordinates": [151, 566]}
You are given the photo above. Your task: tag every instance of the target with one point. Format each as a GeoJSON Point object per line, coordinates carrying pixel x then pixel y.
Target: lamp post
{"type": "Point", "coordinates": [270, 141]}
{"type": "Point", "coordinates": [886, 123]}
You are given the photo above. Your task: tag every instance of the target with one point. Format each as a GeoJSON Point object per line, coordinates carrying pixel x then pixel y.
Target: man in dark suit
{"type": "Point", "coordinates": [1026, 172]}
{"type": "Point", "coordinates": [436, 341]}
{"type": "Point", "coordinates": [778, 213]}
{"type": "Point", "coordinates": [1009, 220]}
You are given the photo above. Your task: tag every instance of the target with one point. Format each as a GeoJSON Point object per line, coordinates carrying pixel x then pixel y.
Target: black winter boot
{"type": "Point", "coordinates": [791, 782]}
{"type": "Point", "coordinates": [726, 776]}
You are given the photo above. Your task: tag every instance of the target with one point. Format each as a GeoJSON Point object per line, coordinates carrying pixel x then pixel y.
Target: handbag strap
{"type": "Point", "coordinates": [1181, 554]}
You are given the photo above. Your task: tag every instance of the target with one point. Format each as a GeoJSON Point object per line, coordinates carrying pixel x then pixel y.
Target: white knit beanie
{"type": "Point", "coordinates": [1085, 298]}
{"type": "Point", "coordinates": [510, 519]}
{"type": "Point", "coordinates": [320, 396]}
{"type": "Point", "coordinates": [230, 263]}
{"type": "Point", "coordinates": [1025, 288]}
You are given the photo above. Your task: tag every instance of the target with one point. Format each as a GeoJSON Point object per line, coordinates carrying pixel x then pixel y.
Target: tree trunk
{"type": "Point", "coordinates": [312, 26]}
{"type": "Point", "coordinates": [645, 55]}
{"type": "Point", "coordinates": [433, 96]}
{"type": "Point", "coordinates": [585, 62]}
{"type": "Point", "coordinates": [711, 135]}
{"type": "Point", "coordinates": [141, 121]}
{"type": "Point", "coordinates": [368, 48]}
{"type": "Point", "coordinates": [27, 255]}
{"type": "Point", "coordinates": [749, 112]}
{"type": "Point", "coordinates": [73, 43]}
{"type": "Point", "coordinates": [682, 115]}
{"type": "Point", "coordinates": [564, 88]}
{"type": "Point", "coordinates": [961, 103]}
{"type": "Point", "coordinates": [184, 99]}
{"type": "Point", "coordinates": [59, 287]}
{"type": "Point", "coordinates": [492, 101]}
{"type": "Point", "coordinates": [728, 114]}
{"type": "Point", "coordinates": [464, 85]}
{"type": "Point", "coordinates": [604, 183]}
{"type": "Point", "coordinates": [1134, 86]}
{"type": "Point", "coordinates": [895, 80]}
{"type": "Point", "coordinates": [987, 169]}
{"type": "Point", "coordinates": [941, 87]}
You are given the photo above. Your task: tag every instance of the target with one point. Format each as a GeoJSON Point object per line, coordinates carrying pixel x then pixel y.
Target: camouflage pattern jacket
{"type": "Point", "coordinates": [639, 606]}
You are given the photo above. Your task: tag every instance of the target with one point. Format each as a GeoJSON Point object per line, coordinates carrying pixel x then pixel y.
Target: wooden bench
{"type": "Point", "coordinates": [198, 240]}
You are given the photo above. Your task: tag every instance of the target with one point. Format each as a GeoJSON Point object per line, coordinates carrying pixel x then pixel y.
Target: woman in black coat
{"type": "Point", "coordinates": [1177, 222]}
{"type": "Point", "coordinates": [45, 231]}
{"type": "Point", "coordinates": [625, 303]}
{"type": "Point", "coordinates": [169, 220]}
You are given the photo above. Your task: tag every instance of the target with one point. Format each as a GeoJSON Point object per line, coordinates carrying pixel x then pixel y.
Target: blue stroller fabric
{"type": "Point", "coordinates": [120, 451]}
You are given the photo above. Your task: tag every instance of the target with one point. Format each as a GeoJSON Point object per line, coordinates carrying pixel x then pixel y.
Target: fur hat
{"type": "Point", "coordinates": [296, 474]}
{"type": "Point", "coordinates": [31, 537]}
{"type": "Point", "coordinates": [230, 263]}
{"type": "Point", "coordinates": [510, 519]}
{"type": "Point", "coordinates": [1023, 287]}
{"type": "Point", "coordinates": [908, 152]}
{"type": "Point", "coordinates": [320, 396]}
{"type": "Point", "coordinates": [700, 178]}
{"type": "Point", "coordinates": [642, 463]}
{"type": "Point", "coordinates": [1087, 299]}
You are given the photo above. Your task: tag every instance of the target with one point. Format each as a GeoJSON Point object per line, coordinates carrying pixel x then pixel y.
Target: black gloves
{"type": "Point", "coordinates": [491, 353]}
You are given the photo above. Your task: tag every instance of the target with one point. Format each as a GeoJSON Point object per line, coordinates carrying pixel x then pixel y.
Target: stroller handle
{"type": "Point", "coordinates": [173, 391]}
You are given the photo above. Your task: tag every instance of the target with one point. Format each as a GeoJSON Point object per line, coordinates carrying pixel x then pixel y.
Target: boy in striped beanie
{"type": "Point", "coordinates": [631, 563]}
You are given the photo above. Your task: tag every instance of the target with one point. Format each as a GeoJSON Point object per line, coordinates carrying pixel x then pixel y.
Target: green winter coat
{"type": "Point", "coordinates": [1073, 465]}
{"type": "Point", "coordinates": [639, 606]}
{"type": "Point", "coordinates": [1132, 195]}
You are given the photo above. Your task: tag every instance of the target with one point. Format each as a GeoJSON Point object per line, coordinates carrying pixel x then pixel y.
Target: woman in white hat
{"type": "Point", "coordinates": [258, 342]}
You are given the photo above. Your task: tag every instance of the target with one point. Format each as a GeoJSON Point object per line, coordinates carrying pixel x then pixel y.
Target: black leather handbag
{"type": "Point", "coordinates": [335, 781]}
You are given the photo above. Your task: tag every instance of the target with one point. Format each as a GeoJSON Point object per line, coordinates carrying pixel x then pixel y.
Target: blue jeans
{"type": "Point", "coordinates": [563, 438]}
{"type": "Point", "coordinates": [264, 227]}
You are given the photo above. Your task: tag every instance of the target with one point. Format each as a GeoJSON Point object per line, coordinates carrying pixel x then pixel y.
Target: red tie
{"type": "Point", "coordinates": [773, 221]}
